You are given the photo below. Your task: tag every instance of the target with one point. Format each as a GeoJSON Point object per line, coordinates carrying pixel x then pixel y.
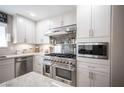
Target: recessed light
{"type": "Point", "coordinates": [32, 14]}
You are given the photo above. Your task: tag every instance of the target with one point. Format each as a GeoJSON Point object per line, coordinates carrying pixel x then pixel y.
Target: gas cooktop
{"type": "Point", "coordinates": [62, 55]}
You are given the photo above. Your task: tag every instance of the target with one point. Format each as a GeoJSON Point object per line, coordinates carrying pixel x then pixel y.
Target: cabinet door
{"type": "Point", "coordinates": [101, 21]}
{"type": "Point", "coordinates": [24, 30]}
{"type": "Point", "coordinates": [41, 28]}
{"type": "Point", "coordinates": [100, 79]}
{"type": "Point", "coordinates": [83, 21]}
{"type": "Point", "coordinates": [56, 22]}
{"type": "Point", "coordinates": [38, 33]}
{"type": "Point", "coordinates": [69, 18]}
{"type": "Point", "coordinates": [30, 31]}
{"type": "Point", "coordinates": [21, 29]}
{"type": "Point", "coordinates": [83, 79]}
{"type": "Point", "coordinates": [37, 64]}
{"type": "Point", "coordinates": [6, 70]}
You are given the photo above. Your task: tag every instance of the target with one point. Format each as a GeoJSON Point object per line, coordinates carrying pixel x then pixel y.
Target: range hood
{"type": "Point", "coordinates": [61, 30]}
{"type": "Point", "coordinates": [55, 33]}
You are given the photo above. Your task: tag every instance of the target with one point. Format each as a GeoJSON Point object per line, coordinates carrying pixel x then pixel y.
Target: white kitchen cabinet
{"type": "Point", "coordinates": [41, 28]}
{"type": "Point", "coordinates": [63, 20]}
{"type": "Point", "coordinates": [38, 33]}
{"type": "Point", "coordinates": [23, 30]}
{"type": "Point", "coordinates": [19, 29]}
{"type": "Point", "coordinates": [83, 21]}
{"type": "Point", "coordinates": [92, 75]}
{"type": "Point", "coordinates": [93, 21]}
{"type": "Point", "coordinates": [101, 20]}
{"type": "Point", "coordinates": [6, 70]}
{"type": "Point", "coordinates": [100, 79]}
{"type": "Point", "coordinates": [30, 32]}
{"type": "Point", "coordinates": [83, 77]}
{"type": "Point", "coordinates": [56, 22]}
{"type": "Point", "coordinates": [69, 18]}
{"type": "Point", "coordinates": [37, 64]}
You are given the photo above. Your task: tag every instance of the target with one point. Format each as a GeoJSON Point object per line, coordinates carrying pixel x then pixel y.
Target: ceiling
{"type": "Point", "coordinates": [37, 12]}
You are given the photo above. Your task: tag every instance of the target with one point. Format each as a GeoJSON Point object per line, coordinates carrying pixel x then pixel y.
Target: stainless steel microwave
{"type": "Point", "coordinates": [93, 50]}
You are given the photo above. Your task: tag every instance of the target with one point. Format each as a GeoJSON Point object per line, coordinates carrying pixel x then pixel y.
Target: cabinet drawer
{"type": "Point", "coordinates": [94, 61]}
{"type": "Point", "coordinates": [94, 67]}
{"type": "Point", "coordinates": [6, 61]}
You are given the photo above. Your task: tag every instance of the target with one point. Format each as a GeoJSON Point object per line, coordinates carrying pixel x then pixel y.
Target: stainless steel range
{"type": "Point", "coordinates": [61, 67]}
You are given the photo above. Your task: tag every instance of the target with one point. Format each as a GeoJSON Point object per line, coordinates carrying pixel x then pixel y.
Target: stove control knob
{"type": "Point", "coordinates": [63, 62]}
{"type": "Point", "coordinates": [71, 63]}
{"type": "Point", "coordinates": [67, 62]}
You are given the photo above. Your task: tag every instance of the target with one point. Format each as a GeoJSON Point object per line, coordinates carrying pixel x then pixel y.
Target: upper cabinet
{"type": "Point", "coordinates": [101, 20]}
{"type": "Point", "coordinates": [41, 28]}
{"type": "Point", "coordinates": [46, 25]}
{"type": "Point", "coordinates": [30, 32]}
{"type": "Point", "coordinates": [55, 22]}
{"type": "Point", "coordinates": [23, 30]}
{"type": "Point", "coordinates": [27, 31]}
{"type": "Point", "coordinates": [66, 19]}
{"type": "Point", "coordinates": [93, 21]}
{"type": "Point", "coordinates": [83, 21]}
{"type": "Point", "coordinates": [69, 18]}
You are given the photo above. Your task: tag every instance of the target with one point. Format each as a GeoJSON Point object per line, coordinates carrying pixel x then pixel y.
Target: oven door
{"type": "Point", "coordinates": [64, 75]}
{"type": "Point", "coordinates": [47, 70]}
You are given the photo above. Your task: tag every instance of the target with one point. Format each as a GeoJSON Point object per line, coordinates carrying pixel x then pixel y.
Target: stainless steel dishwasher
{"type": "Point", "coordinates": [23, 65]}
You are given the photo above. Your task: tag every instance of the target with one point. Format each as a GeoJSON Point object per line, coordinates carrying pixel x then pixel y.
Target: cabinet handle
{"type": "Point", "coordinates": [91, 33]}
{"type": "Point", "coordinates": [89, 75]}
{"type": "Point", "coordinates": [92, 75]}
{"type": "Point", "coordinates": [62, 23]}
{"type": "Point", "coordinates": [91, 67]}
{"type": "Point", "coordinates": [25, 40]}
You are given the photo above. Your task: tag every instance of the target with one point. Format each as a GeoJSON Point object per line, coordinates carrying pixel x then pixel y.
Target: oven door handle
{"type": "Point", "coordinates": [64, 79]}
{"type": "Point", "coordinates": [69, 68]}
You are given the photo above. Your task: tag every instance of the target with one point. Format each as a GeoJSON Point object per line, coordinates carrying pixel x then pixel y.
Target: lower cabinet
{"type": "Point", "coordinates": [6, 70]}
{"type": "Point", "coordinates": [100, 79]}
{"type": "Point", "coordinates": [37, 64]}
{"type": "Point", "coordinates": [88, 76]}
{"type": "Point", "coordinates": [83, 79]}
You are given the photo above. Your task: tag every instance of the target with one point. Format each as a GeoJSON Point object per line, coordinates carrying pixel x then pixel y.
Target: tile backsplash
{"type": "Point", "coordinates": [23, 48]}
{"type": "Point", "coordinates": [6, 51]}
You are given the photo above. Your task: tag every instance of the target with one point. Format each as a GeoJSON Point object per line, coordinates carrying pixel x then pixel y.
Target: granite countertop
{"type": "Point", "coordinates": [23, 55]}
{"type": "Point", "coordinates": [33, 79]}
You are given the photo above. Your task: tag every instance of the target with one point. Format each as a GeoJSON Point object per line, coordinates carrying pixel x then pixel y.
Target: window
{"type": "Point", "coordinates": [3, 39]}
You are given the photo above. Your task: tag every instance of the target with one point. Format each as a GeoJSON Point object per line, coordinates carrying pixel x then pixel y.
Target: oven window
{"type": "Point", "coordinates": [63, 73]}
{"type": "Point", "coordinates": [47, 68]}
